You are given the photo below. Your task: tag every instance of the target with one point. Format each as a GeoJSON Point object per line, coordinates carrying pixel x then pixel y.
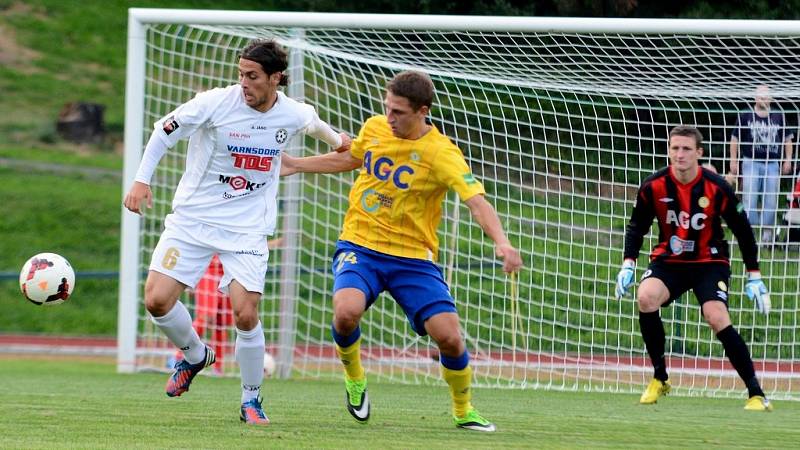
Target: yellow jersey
{"type": "Point", "coordinates": [396, 201]}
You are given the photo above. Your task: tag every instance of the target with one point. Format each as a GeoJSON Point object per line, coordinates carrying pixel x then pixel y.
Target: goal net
{"type": "Point", "coordinates": [561, 119]}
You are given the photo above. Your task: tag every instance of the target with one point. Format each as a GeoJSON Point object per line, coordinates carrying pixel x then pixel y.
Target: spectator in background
{"type": "Point", "coordinates": [761, 135]}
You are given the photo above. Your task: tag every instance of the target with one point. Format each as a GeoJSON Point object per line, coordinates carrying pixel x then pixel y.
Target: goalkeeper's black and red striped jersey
{"type": "Point", "coordinates": [689, 220]}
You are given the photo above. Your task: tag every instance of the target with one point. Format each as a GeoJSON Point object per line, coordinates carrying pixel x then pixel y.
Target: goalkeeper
{"type": "Point", "coordinates": [389, 240]}
{"type": "Point", "coordinates": [689, 202]}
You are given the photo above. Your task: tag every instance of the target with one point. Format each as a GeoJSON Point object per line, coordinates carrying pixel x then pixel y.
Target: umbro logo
{"type": "Point", "coordinates": [665, 199]}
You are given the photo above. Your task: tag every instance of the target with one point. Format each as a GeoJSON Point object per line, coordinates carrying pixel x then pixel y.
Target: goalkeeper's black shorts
{"type": "Point", "coordinates": [708, 280]}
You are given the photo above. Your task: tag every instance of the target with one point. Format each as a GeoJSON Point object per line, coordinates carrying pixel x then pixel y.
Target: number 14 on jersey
{"type": "Point", "coordinates": [345, 257]}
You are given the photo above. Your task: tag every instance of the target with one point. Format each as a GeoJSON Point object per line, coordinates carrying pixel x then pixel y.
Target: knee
{"type": "Point", "coordinates": [246, 318]}
{"type": "Point", "coordinates": [348, 307]}
{"type": "Point", "coordinates": [450, 344]}
{"type": "Point", "coordinates": [715, 322]}
{"type": "Point", "coordinates": [648, 301]}
{"type": "Point", "coordinates": [155, 302]}
{"type": "Point", "coordinates": [345, 319]}
{"type": "Point", "coordinates": [716, 319]}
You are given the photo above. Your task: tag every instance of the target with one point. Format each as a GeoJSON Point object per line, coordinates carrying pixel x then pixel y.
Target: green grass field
{"type": "Point", "coordinates": [60, 403]}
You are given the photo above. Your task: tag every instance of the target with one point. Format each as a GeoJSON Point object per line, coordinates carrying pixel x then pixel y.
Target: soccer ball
{"type": "Point", "coordinates": [47, 279]}
{"type": "Point", "coordinates": [269, 365]}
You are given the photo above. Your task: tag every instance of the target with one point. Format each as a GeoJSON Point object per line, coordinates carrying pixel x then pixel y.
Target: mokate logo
{"type": "Point", "coordinates": [239, 182]}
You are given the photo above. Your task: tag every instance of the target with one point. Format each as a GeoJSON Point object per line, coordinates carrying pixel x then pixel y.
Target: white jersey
{"type": "Point", "coordinates": [234, 157]}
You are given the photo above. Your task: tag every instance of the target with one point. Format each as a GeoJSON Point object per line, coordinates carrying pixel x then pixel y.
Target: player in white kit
{"type": "Point", "coordinates": [225, 203]}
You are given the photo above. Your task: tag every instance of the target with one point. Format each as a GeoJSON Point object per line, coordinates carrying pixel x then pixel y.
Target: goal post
{"type": "Point", "coordinates": [560, 118]}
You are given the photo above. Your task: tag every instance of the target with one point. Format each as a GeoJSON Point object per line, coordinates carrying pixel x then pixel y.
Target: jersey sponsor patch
{"type": "Point", "coordinates": [239, 182]}
{"type": "Point", "coordinates": [469, 178]}
{"type": "Point", "coordinates": [678, 245]}
{"type": "Point", "coordinates": [170, 125]}
{"type": "Point", "coordinates": [371, 200]}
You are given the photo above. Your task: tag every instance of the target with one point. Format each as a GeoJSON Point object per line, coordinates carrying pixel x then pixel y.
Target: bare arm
{"type": "Point", "coordinates": [734, 156]}
{"type": "Point", "coordinates": [332, 162]}
{"type": "Point", "coordinates": [486, 216]}
{"type": "Point", "coordinates": [787, 163]}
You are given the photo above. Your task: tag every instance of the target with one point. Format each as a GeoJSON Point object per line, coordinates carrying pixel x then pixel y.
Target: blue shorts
{"type": "Point", "coordinates": [416, 285]}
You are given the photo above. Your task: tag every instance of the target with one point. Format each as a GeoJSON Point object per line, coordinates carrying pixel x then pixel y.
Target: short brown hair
{"type": "Point", "coordinates": [688, 131]}
{"type": "Point", "coordinates": [270, 55]}
{"type": "Point", "coordinates": [415, 86]}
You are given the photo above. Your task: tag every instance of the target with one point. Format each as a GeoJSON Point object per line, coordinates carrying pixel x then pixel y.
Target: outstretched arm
{"type": "Point", "coordinates": [332, 162]}
{"type": "Point", "coordinates": [486, 216]}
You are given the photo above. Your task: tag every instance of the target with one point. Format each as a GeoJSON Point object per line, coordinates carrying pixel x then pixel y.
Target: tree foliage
{"type": "Point", "coordinates": [718, 9]}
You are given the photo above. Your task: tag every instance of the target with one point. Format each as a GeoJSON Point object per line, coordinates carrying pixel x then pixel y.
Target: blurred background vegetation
{"type": "Point", "coordinates": [65, 198]}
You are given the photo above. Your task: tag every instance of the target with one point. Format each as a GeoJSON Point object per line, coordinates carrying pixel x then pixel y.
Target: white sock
{"type": "Point", "coordinates": [250, 346]}
{"type": "Point", "coordinates": [177, 325]}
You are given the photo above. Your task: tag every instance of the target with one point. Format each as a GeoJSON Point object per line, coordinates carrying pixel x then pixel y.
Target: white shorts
{"type": "Point", "coordinates": [185, 249]}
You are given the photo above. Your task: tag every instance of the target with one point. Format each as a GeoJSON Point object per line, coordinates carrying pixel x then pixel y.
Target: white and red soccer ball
{"type": "Point", "coordinates": [269, 365]}
{"type": "Point", "coordinates": [47, 279]}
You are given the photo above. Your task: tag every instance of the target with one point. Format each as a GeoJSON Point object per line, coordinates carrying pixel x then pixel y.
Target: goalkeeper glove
{"type": "Point", "coordinates": [625, 278]}
{"type": "Point", "coordinates": [756, 290]}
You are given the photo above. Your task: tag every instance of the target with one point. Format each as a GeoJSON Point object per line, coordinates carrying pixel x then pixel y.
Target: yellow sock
{"type": "Point", "coordinates": [460, 390]}
{"type": "Point", "coordinates": [351, 359]}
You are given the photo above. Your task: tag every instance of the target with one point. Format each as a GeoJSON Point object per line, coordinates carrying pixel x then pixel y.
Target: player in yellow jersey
{"type": "Point", "coordinates": [389, 242]}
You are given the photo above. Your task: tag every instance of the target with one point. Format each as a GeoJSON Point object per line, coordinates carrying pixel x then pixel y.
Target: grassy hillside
{"type": "Point", "coordinates": [58, 196]}
{"type": "Point", "coordinates": [53, 52]}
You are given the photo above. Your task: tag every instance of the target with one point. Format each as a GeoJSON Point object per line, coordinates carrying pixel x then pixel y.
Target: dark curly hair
{"type": "Point", "coordinates": [272, 57]}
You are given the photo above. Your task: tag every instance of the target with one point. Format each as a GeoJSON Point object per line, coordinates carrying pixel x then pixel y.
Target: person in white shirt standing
{"type": "Point", "coordinates": [226, 204]}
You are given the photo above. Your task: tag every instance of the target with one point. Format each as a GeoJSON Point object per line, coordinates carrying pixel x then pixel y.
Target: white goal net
{"type": "Point", "coordinates": [561, 119]}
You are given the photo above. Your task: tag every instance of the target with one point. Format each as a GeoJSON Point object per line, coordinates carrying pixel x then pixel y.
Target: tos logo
{"type": "Point", "coordinates": [252, 162]}
{"type": "Point", "coordinates": [685, 220]}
